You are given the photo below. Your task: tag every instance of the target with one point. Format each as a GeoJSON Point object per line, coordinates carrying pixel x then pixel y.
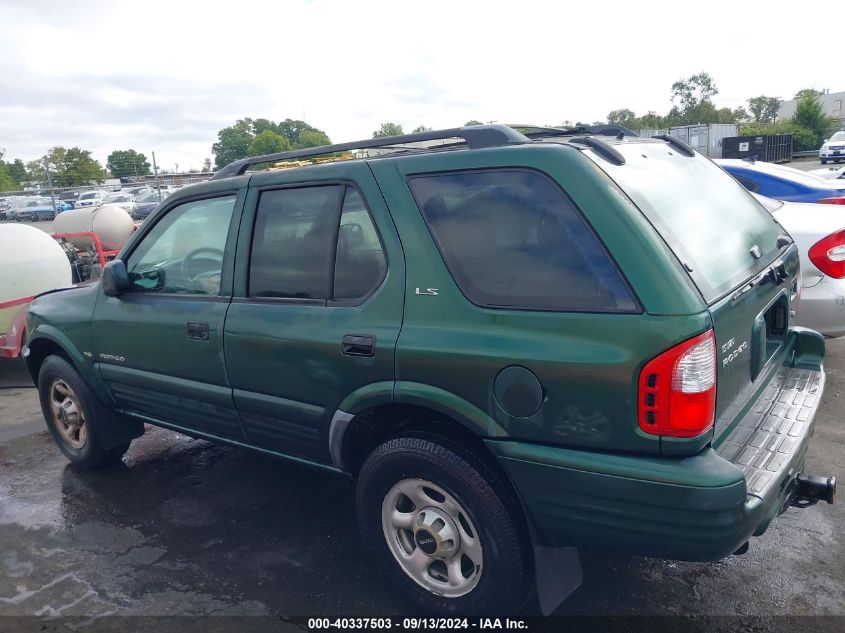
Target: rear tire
{"type": "Point", "coordinates": [69, 409]}
{"type": "Point", "coordinates": [444, 526]}
{"type": "Point", "coordinates": [824, 162]}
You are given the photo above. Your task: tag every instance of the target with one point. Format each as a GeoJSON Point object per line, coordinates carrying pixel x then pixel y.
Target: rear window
{"type": "Point", "coordinates": [705, 216]}
{"type": "Point", "coordinates": [512, 239]}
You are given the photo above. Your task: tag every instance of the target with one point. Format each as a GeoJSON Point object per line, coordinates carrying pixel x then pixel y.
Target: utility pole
{"type": "Point", "coordinates": [50, 183]}
{"type": "Point", "coordinates": [155, 170]}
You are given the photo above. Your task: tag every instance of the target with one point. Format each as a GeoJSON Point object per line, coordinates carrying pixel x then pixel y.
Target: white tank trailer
{"type": "Point", "coordinates": [31, 262]}
{"type": "Point", "coordinates": [113, 224]}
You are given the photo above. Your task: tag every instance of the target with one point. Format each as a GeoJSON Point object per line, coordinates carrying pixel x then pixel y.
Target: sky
{"type": "Point", "coordinates": [164, 77]}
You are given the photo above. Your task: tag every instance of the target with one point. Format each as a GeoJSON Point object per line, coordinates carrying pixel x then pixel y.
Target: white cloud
{"type": "Point", "coordinates": [165, 76]}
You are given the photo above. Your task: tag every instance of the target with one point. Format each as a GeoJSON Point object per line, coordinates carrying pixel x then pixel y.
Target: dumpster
{"type": "Point", "coordinates": [770, 148]}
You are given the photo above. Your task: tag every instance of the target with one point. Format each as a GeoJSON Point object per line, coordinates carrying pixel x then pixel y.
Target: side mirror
{"type": "Point", "coordinates": [826, 140]}
{"type": "Point", "coordinates": [114, 279]}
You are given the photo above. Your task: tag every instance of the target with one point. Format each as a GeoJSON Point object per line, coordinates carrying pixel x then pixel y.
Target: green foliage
{"type": "Point", "coordinates": [7, 183]}
{"type": "Point", "coordinates": [388, 129]}
{"type": "Point", "coordinates": [807, 92]}
{"type": "Point", "coordinates": [764, 109]}
{"type": "Point", "coordinates": [810, 115]}
{"type": "Point", "coordinates": [68, 167]}
{"type": "Point", "coordinates": [127, 163]}
{"type": "Point", "coordinates": [422, 128]}
{"type": "Point", "coordinates": [802, 138]}
{"type": "Point", "coordinates": [234, 141]}
{"type": "Point", "coordinates": [623, 116]}
{"type": "Point", "coordinates": [693, 92]}
{"type": "Point", "coordinates": [472, 122]}
{"type": "Point", "coordinates": [268, 142]}
{"type": "Point", "coordinates": [312, 138]}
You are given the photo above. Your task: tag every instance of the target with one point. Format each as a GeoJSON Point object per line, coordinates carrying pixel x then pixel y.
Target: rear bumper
{"type": "Point", "coordinates": [701, 507]}
{"type": "Point", "coordinates": [822, 307]}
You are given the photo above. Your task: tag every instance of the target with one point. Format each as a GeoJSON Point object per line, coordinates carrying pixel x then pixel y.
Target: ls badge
{"type": "Point", "coordinates": [432, 292]}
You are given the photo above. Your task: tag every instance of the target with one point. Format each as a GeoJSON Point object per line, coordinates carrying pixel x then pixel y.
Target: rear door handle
{"type": "Point", "coordinates": [358, 345]}
{"type": "Point", "coordinates": [198, 331]}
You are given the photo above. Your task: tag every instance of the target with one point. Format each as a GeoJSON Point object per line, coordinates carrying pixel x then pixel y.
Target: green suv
{"type": "Point", "coordinates": [516, 342]}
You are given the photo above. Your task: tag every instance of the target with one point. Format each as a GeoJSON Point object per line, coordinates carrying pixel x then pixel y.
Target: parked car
{"type": "Point", "coordinates": [136, 191]}
{"type": "Point", "coordinates": [530, 342]}
{"type": "Point", "coordinates": [40, 209]}
{"type": "Point", "coordinates": [145, 205]}
{"type": "Point", "coordinates": [833, 148]}
{"type": "Point", "coordinates": [125, 201]}
{"type": "Point", "coordinates": [69, 196]}
{"type": "Point", "coordinates": [89, 199]}
{"type": "Point", "coordinates": [819, 232]}
{"type": "Point", "coordinates": [783, 183]}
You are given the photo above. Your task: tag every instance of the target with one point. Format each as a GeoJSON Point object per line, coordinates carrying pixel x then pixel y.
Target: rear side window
{"type": "Point", "coordinates": [301, 249]}
{"type": "Point", "coordinates": [293, 241]}
{"type": "Point", "coordinates": [512, 239]}
{"type": "Point", "coordinates": [707, 218]}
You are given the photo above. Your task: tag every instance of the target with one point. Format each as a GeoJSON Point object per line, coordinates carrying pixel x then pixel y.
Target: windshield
{"type": "Point", "coordinates": [88, 196]}
{"type": "Point", "coordinates": [149, 197]}
{"type": "Point", "coordinates": [706, 217]}
{"type": "Point", "coordinates": [117, 199]}
{"type": "Point", "coordinates": [839, 136]}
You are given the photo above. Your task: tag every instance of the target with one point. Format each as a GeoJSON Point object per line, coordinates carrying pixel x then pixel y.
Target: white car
{"type": "Point", "coordinates": [833, 148]}
{"type": "Point", "coordinates": [89, 199]}
{"type": "Point", "coordinates": [829, 173]}
{"type": "Point", "coordinates": [125, 201]}
{"type": "Point", "coordinates": [819, 233]}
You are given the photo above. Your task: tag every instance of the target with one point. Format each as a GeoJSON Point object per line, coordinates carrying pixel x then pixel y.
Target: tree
{"type": "Point", "coordinates": [808, 92]}
{"type": "Point", "coordinates": [764, 109]}
{"type": "Point", "coordinates": [623, 116]}
{"type": "Point", "coordinates": [388, 129]}
{"type": "Point", "coordinates": [127, 163]}
{"type": "Point", "coordinates": [268, 142]}
{"type": "Point", "coordinates": [206, 164]}
{"type": "Point", "coordinates": [312, 138]}
{"type": "Point", "coordinates": [472, 122]}
{"type": "Point", "coordinates": [693, 91]}
{"type": "Point", "coordinates": [810, 114]}
{"type": "Point", "coordinates": [422, 128]}
{"type": "Point", "coordinates": [7, 183]}
{"type": "Point", "coordinates": [233, 142]}
{"type": "Point", "coordinates": [68, 167]}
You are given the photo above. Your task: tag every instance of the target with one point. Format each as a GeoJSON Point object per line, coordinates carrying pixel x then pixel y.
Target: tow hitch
{"type": "Point", "coordinates": [810, 489]}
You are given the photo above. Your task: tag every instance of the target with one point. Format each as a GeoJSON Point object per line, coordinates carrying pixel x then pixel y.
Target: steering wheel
{"type": "Point", "coordinates": [185, 268]}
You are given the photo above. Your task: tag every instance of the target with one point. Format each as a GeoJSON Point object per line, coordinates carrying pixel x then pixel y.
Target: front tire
{"type": "Point", "coordinates": [446, 528]}
{"type": "Point", "coordinates": [69, 409]}
{"type": "Point", "coordinates": [824, 162]}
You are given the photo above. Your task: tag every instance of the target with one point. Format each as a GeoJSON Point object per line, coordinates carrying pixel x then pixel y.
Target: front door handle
{"type": "Point", "coordinates": [198, 331]}
{"type": "Point", "coordinates": [358, 345]}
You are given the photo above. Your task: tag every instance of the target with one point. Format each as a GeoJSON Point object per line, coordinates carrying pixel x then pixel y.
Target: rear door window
{"type": "Point", "coordinates": [512, 239]}
{"type": "Point", "coordinates": [713, 225]}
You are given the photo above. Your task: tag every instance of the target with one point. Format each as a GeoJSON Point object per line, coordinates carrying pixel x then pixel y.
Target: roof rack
{"type": "Point", "coordinates": [610, 129]}
{"type": "Point", "coordinates": [475, 136]}
{"type": "Point", "coordinates": [678, 144]}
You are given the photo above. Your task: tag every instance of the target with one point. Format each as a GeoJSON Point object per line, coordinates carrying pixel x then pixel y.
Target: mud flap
{"type": "Point", "coordinates": [557, 573]}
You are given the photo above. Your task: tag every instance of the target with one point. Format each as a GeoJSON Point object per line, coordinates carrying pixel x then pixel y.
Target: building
{"type": "Point", "coordinates": [833, 103]}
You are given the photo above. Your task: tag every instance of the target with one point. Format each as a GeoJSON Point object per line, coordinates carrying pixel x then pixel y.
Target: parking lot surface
{"type": "Point", "coordinates": [192, 528]}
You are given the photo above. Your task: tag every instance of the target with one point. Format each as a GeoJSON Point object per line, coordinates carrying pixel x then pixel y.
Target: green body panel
{"type": "Point", "coordinates": [372, 395]}
{"type": "Point", "coordinates": [587, 365]}
{"type": "Point", "coordinates": [284, 357]}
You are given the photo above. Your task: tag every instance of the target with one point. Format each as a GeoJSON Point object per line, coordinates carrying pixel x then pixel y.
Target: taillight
{"type": "Point", "coordinates": [828, 254]}
{"type": "Point", "coordinates": [833, 200]}
{"type": "Point", "coordinates": [677, 394]}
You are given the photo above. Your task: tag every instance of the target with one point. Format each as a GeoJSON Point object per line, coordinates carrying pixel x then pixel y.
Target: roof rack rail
{"type": "Point", "coordinates": [475, 136]}
{"type": "Point", "coordinates": [611, 129]}
{"type": "Point", "coordinates": [608, 151]}
{"type": "Point", "coordinates": [678, 144]}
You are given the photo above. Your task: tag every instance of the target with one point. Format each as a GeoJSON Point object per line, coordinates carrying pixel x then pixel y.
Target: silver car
{"type": "Point", "coordinates": [819, 232]}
